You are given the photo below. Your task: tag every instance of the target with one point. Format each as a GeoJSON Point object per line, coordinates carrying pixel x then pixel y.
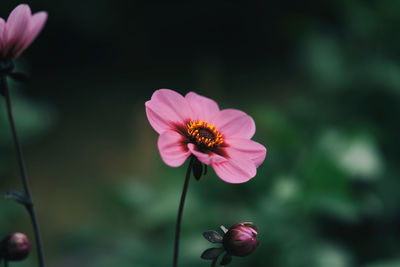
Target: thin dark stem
{"type": "Point", "coordinates": [24, 176]}
{"type": "Point", "coordinates": [5, 263]}
{"type": "Point", "coordinates": [180, 211]}
{"type": "Point", "coordinates": [214, 262]}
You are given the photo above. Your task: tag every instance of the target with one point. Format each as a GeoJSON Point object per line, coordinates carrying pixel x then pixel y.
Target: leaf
{"type": "Point", "coordinates": [18, 196]}
{"type": "Point", "coordinates": [226, 259]}
{"type": "Point", "coordinates": [211, 253]}
{"type": "Point", "coordinates": [213, 236]}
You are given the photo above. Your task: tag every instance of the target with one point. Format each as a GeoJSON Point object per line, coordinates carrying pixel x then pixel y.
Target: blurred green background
{"type": "Point", "coordinates": [320, 78]}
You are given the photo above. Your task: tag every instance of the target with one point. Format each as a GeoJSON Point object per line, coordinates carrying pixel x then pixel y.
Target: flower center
{"type": "Point", "coordinates": [204, 133]}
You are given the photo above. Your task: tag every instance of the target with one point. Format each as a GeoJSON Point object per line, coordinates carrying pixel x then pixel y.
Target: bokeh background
{"type": "Point", "coordinates": [320, 78]}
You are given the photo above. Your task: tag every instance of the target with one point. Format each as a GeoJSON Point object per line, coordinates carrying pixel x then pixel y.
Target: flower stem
{"type": "Point", "coordinates": [214, 262]}
{"type": "Point", "coordinates": [180, 211]}
{"type": "Point", "coordinates": [5, 263]}
{"type": "Point", "coordinates": [24, 177]}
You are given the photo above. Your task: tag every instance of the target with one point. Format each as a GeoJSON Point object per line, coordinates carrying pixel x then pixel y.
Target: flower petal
{"type": "Point", "coordinates": [36, 24]}
{"type": "Point", "coordinates": [248, 149]}
{"type": "Point", "coordinates": [205, 158]}
{"type": "Point", "coordinates": [234, 123]}
{"type": "Point", "coordinates": [172, 151]}
{"type": "Point", "coordinates": [165, 108]}
{"type": "Point", "coordinates": [17, 25]}
{"type": "Point", "coordinates": [203, 108]}
{"type": "Point", "coordinates": [236, 170]}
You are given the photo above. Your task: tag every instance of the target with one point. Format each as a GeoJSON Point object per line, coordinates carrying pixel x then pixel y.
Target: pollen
{"type": "Point", "coordinates": [204, 133]}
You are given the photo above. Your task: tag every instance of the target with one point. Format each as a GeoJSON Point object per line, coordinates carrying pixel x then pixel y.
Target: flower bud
{"type": "Point", "coordinates": [197, 169]}
{"type": "Point", "coordinates": [15, 247]}
{"type": "Point", "coordinates": [240, 240]}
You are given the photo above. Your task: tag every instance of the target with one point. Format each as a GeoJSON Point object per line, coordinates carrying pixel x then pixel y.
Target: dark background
{"type": "Point", "coordinates": [320, 78]}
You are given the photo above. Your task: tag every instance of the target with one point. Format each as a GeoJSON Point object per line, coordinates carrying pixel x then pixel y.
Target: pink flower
{"type": "Point", "coordinates": [195, 125]}
{"type": "Point", "coordinates": [19, 31]}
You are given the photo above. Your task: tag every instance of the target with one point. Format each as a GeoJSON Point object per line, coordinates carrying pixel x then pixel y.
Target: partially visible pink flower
{"type": "Point", "coordinates": [19, 31]}
{"type": "Point", "coordinates": [195, 125]}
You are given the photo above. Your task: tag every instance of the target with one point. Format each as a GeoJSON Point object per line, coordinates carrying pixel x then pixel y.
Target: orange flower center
{"type": "Point", "coordinates": [204, 133]}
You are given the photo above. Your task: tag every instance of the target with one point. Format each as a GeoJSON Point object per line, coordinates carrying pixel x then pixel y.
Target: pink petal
{"type": "Point", "coordinates": [165, 108]}
{"type": "Point", "coordinates": [206, 158]}
{"type": "Point", "coordinates": [17, 25]}
{"type": "Point", "coordinates": [236, 170]}
{"type": "Point", "coordinates": [234, 123]}
{"type": "Point", "coordinates": [2, 40]}
{"type": "Point", "coordinates": [248, 149]}
{"type": "Point", "coordinates": [173, 153]}
{"type": "Point", "coordinates": [35, 26]}
{"type": "Point", "coordinates": [203, 108]}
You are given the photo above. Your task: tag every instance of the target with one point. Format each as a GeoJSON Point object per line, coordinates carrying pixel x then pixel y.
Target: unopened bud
{"type": "Point", "coordinates": [15, 247]}
{"type": "Point", "coordinates": [197, 169]}
{"type": "Point", "coordinates": [240, 240]}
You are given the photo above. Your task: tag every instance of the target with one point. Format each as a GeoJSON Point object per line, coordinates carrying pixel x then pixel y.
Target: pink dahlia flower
{"type": "Point", "coordinates": [19, 31]}
{"type": "Point", "coordinates": [195, 125]}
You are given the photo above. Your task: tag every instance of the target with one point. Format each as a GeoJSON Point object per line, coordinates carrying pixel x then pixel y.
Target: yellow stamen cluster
{"type": "Point", "coordinates": [204, 133]}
